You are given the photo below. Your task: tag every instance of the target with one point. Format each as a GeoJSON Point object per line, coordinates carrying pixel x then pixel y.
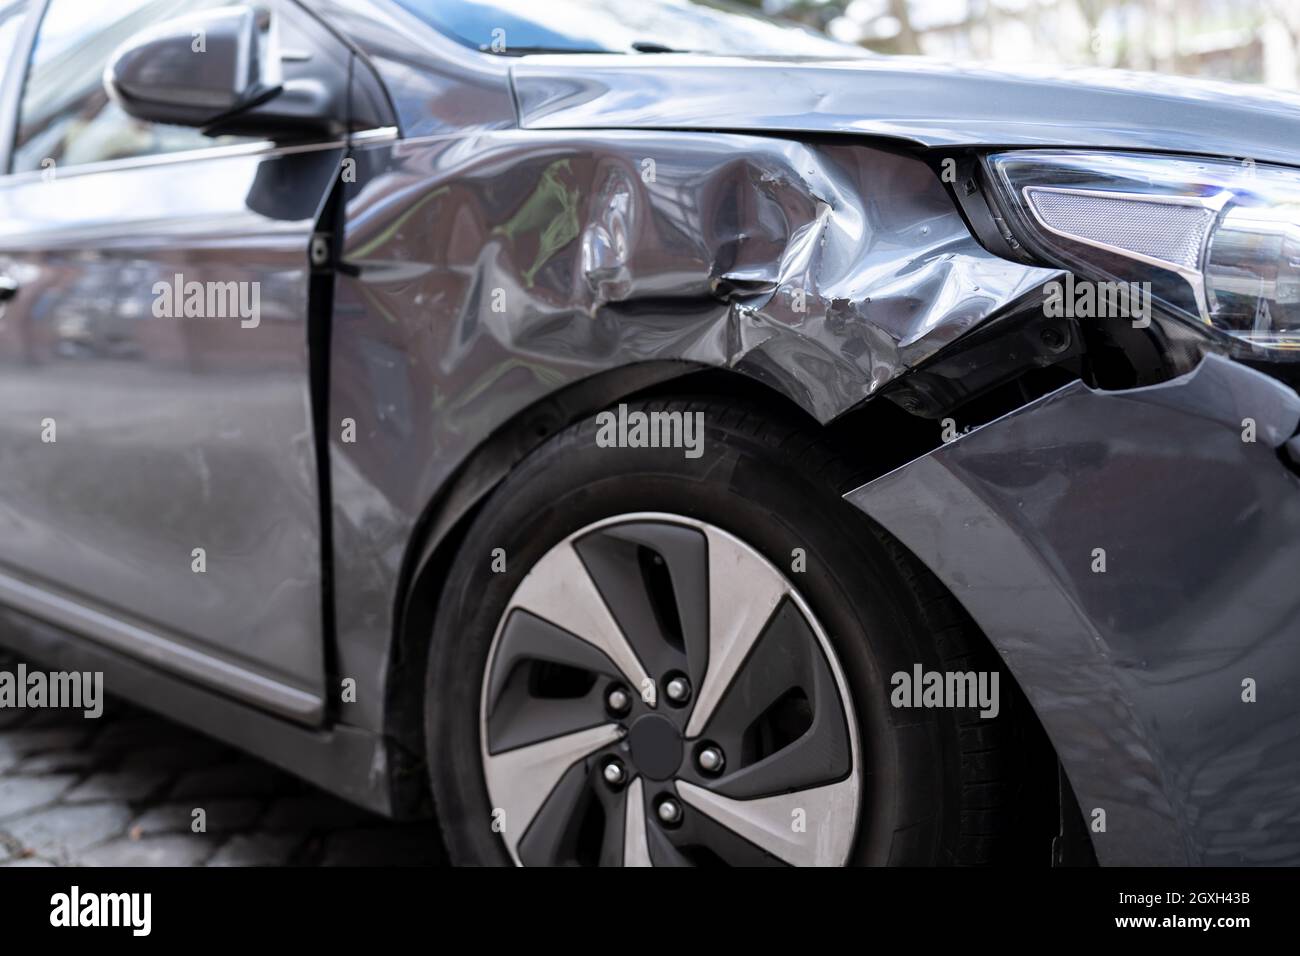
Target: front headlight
{"type": "Point", "coordinates": [1218, 240]}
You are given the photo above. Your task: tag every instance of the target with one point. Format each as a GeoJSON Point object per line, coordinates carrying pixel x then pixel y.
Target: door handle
{"type": "Point", "coordinates": [8, 288]}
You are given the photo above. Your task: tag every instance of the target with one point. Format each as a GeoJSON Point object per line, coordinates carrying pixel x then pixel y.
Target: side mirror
{"type": "Point", "coordinates": [196, 70]}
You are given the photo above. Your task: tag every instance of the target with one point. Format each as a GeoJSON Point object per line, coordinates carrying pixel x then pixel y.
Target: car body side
{"type": "Point", "coordinates": [529, 247]}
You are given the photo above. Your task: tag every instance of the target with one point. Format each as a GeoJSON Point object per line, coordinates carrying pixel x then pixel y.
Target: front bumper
{"type": "Point", "coordinates": [1137, 672]}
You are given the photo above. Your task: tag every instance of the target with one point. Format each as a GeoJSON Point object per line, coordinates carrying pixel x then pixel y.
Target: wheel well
{"type": "Point", "coordinates": [875, 437]}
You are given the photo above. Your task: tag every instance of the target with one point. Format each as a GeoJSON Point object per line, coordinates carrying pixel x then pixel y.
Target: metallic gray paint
{"type": "Point", "coordinates": [602, 270]}
{"type": "Point", "coordinates": [437, 87]}
{"type": "Point", "coordinates": [350, 762]}
{"type": "Point", "coordinates": [169, 651]}
{"type": "Point", "coordinates": [608, 276]}
{"type": "Point", "coordinates": [1136, 673]}
{"type": "Point", "coordinates": [926, 102]}
{"type": "Point", "coordinates": [173, 433]}
{"type": "Point", "coordinates": [916, 100]}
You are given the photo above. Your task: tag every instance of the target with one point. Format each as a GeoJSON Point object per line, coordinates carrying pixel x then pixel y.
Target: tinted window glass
{"type": "Point", "coordinates": [65, 113]}
{"type": "Point", "coordinates": [619, 26]}
{"type": "Point", "coordinates": [11, 21]}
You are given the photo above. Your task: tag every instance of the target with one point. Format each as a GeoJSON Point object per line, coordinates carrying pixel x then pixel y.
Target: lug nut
{"type": "Point", "coordinates": [614, 773]}
{"type": "Point", "coordinates": [678, 689]}
{"type": "Point", "coordinates": [670, 811]}
{"type": "Point", "coordinates": [618, 701]}
{"type": "Point", "coordinates": [710, 759]}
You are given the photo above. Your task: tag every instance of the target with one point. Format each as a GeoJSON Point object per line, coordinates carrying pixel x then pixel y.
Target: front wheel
{"type": "Point", "coordinates": [643, 658]}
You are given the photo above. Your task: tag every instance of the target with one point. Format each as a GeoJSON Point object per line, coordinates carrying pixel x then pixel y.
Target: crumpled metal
{"type": "Point", "coordinates": [486, 271]}
{"type": "Point", "coordinates": [826, 270]}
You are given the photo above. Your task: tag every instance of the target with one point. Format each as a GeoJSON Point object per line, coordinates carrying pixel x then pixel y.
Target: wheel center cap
{"type": "Point", "coordinates": [656, 746]}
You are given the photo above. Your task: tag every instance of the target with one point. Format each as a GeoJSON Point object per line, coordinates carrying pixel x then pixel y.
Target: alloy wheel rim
{"type": "Point", "coordinates": [658, 693]}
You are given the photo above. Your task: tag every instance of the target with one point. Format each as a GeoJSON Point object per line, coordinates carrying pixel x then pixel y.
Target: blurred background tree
{"type": "Point", "coordinates": [1254, 41]}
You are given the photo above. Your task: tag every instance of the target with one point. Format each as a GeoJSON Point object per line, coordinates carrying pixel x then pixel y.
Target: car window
{"type": "Point", "coordinates": [617, 26]}
{"type": "Point", "coordinates": [11, 22]}
{"type": "Point", "coordinates": [65, 114]}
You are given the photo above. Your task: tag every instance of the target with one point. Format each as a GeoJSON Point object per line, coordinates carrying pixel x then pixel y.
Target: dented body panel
{"type": "Point", "coordinates": [484, 273]}
{"type": "Point", "coordinates": [528, 228]}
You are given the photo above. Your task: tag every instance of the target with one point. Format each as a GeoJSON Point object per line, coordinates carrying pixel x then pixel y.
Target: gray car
{"type": "Point", "coordinates": [636, 433]}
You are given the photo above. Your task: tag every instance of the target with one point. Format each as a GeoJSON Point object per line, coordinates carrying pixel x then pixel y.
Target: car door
{"type": "Point", "coordinates": [158, 478]}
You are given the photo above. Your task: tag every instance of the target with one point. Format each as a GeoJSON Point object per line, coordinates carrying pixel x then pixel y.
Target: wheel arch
{"type": "Point", "coordinates": [896, 437]}
{"type": "Point", "coordinates": [442, 526]}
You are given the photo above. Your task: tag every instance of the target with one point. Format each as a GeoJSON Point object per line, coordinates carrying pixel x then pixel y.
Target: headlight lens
{"type": "Point", "coordinates": [1218, 240]}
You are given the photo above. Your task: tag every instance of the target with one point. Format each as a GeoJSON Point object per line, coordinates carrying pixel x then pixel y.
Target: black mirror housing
{"type": "Point", "coordinates": [196, 70]}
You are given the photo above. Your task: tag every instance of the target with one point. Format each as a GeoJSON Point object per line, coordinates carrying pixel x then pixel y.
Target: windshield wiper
{"type": "Point", "coordinates": [528, 50]}
{"type": "Point", "coordinates": [650, 46]}
{"type": "Point", "coordinates": [640, 46]}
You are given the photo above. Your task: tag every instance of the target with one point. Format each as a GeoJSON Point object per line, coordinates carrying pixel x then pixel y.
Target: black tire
{"type": "Point", "coordinates": [937, 785]}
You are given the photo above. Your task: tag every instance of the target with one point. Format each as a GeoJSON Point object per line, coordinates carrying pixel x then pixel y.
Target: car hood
{"type": "Point", "coordinates": [914, 99]}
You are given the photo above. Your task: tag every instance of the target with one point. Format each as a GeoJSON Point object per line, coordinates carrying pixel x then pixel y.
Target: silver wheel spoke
{"type": "Point", "coordinates": [520, 780]}
{"type": "Point", "coordinates": [744, 590]}
{"type": "Point", "coordinates": [770, 698]}
{"type": "Point", "coordinates": [560, 590]}
{"type": "Point", "coordinates": [636, 851]}
{"type": "Point", "coordinates": [820, 835]}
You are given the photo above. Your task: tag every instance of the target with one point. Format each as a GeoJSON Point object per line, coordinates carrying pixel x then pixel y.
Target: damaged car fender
{"type": "Point", "coordinates": [482, 274]}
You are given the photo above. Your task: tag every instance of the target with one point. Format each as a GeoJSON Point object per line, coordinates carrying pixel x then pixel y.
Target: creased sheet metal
{"type": "Point", "coordinates": [486, 272]}
{"type": "Point", "coordinates": [829, 269]}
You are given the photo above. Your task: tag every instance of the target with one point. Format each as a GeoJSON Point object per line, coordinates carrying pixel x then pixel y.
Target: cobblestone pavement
{"type": "Point", "coordinates": [122, 790]}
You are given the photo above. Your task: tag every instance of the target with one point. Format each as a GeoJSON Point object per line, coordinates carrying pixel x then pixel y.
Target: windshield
{"type": "Point", "coordinates": [514, 27]}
